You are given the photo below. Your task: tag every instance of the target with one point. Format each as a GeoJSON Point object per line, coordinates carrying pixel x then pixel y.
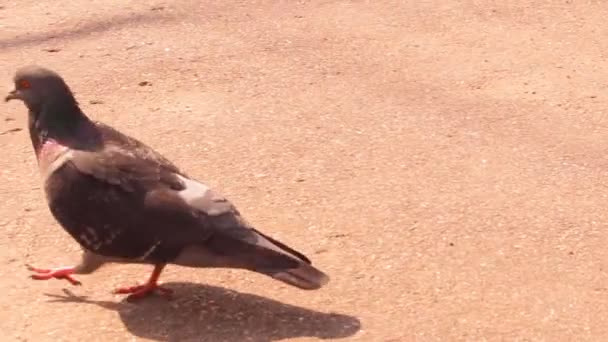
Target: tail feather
{"type": "Point", "coordinates": [284, 247]}
{"type": "Point", "coordinates": [299, 271]}
{"type": "Point", "coordinates": [283, 266]}
{"type": "Point", "coordinates": [304, 276]}
{"type": "Point", "coordinates": [269, 257]}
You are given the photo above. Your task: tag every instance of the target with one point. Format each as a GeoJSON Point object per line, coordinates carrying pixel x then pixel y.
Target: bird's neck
{"type": "Point", "coordinates": [65, 125]}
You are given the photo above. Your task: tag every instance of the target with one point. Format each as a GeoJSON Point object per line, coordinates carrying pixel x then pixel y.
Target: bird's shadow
{"type": "Point", "coordinates": [209, 313]}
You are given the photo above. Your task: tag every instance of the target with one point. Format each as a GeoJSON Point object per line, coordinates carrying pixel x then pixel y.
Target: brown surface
{"type": "Point", "coordinates": [443, 161]}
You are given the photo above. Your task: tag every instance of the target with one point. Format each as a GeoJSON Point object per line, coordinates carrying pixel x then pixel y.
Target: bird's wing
{"type": "Point", "coordinates": [136, 147]}
{"type": "Point", "coordinates": [124, 169]}
{"type": "Point", "coordinates": [167, 211]}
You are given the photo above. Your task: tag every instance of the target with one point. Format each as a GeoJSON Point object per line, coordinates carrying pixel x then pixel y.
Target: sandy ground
{"type": "Point", "coordinates": [443, 161]}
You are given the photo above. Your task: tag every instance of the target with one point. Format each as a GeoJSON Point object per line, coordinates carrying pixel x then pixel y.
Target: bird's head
{"type": "Point", "coordinates": [39, 87]}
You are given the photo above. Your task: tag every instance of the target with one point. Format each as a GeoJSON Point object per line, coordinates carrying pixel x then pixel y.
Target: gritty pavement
{"type": "Point", "coordinates": [443, 161]}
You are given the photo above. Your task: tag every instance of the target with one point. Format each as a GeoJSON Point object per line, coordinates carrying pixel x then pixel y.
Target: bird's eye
{"type": "Point", "coordinates": [24, 84]}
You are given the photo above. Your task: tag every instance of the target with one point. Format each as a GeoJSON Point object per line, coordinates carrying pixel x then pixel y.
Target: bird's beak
{"type": "Point", "coordinates": [13, 95]}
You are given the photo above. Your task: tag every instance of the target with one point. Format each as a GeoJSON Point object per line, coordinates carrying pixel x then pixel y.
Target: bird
{"type": "Point", "coordinates": [125, 203]}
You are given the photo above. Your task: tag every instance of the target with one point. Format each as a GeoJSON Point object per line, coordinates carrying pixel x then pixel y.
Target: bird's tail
{"type": "Point", "coordinates": [304, 276]}
{"type": "Point", "coordinates": [272, 258]}
{"type": "Point", "coordinates": [283, 263]}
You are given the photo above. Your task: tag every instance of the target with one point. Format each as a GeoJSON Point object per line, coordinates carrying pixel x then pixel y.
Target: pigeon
{"type": "Point", "coordinates": [124, 202]}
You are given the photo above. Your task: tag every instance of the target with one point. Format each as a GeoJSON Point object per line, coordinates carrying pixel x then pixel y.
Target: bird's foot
{"type": "Point", "coordinates": [141, 291]}
{"type": "Point", "coordinates": [57, 273]}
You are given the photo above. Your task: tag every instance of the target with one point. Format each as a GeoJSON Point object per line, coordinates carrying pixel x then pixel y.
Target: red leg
{"type": "Point", "coordinates": [151, 286]}
{"type": "Point", "coordinates": [57, 273]}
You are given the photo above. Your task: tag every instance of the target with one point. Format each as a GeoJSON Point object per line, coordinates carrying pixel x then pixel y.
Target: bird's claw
{"type": "Point", "coordinates": [57, 273]}
{"type": "Point", "coordinates": [141, 291]}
